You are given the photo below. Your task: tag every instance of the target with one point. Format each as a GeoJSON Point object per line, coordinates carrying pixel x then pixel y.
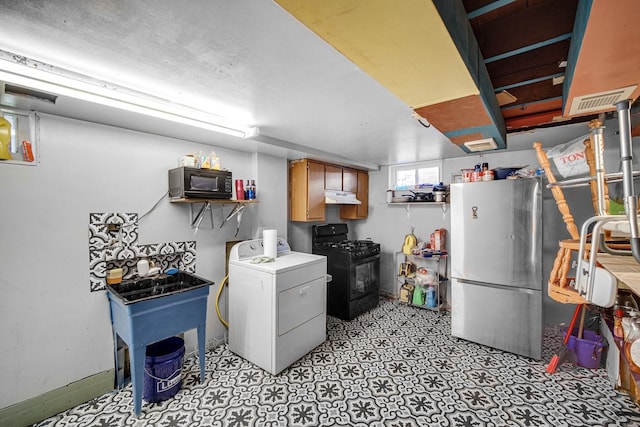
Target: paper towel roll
{"type": "Point", "coordinates": [270, 243]}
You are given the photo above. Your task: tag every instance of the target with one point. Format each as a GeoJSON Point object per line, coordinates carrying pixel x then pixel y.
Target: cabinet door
{"type": "Point", "coordinates": [362, 194]}
{"type": "Point", "coordinates": [360, 211]}
{"type": "Point", "coordinates": [349, 180]}
{"type": "Point", "coordinates": [332, 178]}
{"type": "Point", "coordinates": [315, 199]}
{"type": "Point", "coordinates": [306, 191]}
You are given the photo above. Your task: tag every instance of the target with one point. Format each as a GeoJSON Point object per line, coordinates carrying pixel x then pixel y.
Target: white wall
{"type": "Point", "coordinates": [54, 330]}
{"type": "Point", "coordinates": [388, 225]}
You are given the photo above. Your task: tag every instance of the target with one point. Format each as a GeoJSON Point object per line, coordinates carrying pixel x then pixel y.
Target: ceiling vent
{"type": "Point", "coordinates": [599, 101]}
{"type": "Point", "coordinates": [481, 144]}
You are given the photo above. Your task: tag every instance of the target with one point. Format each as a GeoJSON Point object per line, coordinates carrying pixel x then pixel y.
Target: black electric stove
{"type": "Point", "coordinates": [355, 269]}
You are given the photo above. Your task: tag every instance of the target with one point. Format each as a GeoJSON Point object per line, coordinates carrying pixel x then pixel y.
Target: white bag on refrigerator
{"type": "Point", "coordinates": [570, 158]}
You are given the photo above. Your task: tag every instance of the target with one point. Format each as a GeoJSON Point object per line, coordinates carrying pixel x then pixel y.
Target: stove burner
{"type": "Point", "coordinates": [350, 248]}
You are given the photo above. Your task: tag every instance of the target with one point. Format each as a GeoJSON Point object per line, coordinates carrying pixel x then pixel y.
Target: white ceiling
{"type": "Point", "coordinates": [247, 60]}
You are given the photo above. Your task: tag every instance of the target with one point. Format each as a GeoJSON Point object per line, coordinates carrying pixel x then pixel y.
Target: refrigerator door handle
{"type": "Point", "coordinates": [492, 285]}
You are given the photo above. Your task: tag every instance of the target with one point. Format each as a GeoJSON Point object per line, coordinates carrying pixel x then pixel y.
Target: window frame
{"type": "Point", "coordinates": [394, 169]}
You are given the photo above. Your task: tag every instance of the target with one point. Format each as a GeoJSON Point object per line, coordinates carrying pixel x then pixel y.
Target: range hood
{"type": "Point", "coordinates": [340, 198]}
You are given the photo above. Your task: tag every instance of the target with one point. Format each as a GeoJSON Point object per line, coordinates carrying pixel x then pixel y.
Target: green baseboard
{"type": "Point", "coordinates": [55, 401]}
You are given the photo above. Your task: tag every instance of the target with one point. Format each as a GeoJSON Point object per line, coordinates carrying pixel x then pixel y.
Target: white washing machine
{"type": "Point", "coordinates": [277, 310]}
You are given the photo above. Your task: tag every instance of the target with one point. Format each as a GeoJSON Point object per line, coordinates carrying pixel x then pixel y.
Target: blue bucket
{"type": "Point", "coordinates": [163, 369]}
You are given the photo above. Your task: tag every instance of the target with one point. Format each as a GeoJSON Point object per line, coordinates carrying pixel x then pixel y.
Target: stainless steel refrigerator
{"type": "Point", "coordinates": [496, 264]}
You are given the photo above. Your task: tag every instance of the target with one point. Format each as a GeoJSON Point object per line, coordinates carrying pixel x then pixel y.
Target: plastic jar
{"type": "Point", "coordinates": [632, 347]}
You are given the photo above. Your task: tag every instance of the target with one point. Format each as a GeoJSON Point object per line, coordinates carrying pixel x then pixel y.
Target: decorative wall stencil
{"type": "Point", "coordinates": [113, 243]}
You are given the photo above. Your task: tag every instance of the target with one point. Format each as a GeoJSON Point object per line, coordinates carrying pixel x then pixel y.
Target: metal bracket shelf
{"type": "Point", "coordinates": [196, 218]}
{"type": "Point", "coordinates": [407, 206]}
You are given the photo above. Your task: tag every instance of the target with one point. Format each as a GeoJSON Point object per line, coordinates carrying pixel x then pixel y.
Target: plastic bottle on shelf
{"type": "Point", "coordinates": [630, 317]}
{"type": "Point", "coordinates": [632, 346]}
{"type": "Point", "coordinates": [618, 331]}
{"type": "Point", "coordinates": [418, 295]}
{"type": "Point", "coordinates": [431, 297]}
{"type": "Point", "coordinates": [251, 190]}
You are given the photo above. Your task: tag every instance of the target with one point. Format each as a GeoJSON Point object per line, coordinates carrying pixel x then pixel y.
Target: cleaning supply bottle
{"type": "Point", "coordinates": [431, 297]}
{"type": "Point", "coordinates": [418, 296]}
{"type": "Point", "coordinates": [410, 242]}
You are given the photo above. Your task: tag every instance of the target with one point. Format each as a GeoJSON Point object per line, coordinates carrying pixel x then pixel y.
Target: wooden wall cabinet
{"type": "Point", "coordinates": [306, 191]}
{"type": "Point", "coordinates": [332, 178]}
{"type": "Point", "coordinates": [308, 180]}
{"type": "Point", "coordinates": [360, 211]}
{"type": "Point", "coordinates": [340, 179]}
{"type": "Point", "coordinates": [350, 179]}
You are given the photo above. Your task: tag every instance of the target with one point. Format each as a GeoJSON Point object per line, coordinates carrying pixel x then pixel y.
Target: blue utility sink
{"type": "Point", "coordinates": [147, 310]}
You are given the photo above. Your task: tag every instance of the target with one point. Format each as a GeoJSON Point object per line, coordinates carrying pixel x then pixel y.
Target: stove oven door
{"type": "Point", "coordinates": [354, 287]}
{"type": "Point", "coordinates": [364, 278]}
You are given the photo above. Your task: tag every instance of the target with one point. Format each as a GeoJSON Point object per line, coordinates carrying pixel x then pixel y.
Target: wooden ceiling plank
{"type": "Point", "coordinates": [534, 119]}
{"type": "Point", "coordinates": [528, 48]}
{"type": "Point", "coordinates": [541, 62]}
{"type": "Point", "coordinates": [488, 8]}
{"type": "Point", "coordinates": [536, 91]}
{"type": "Point", "coordinates": [534, 24]}
{"type": "Point", "coordinates": [521, 110]}
{"type": "Point", "coordinates": [529, 82]}
{"type": "Point", "coordinates": [509, 9]}
{"type": "Point", "coordinates": [549, 101]}
{"type": "Point", "coordinates": [540, 122]}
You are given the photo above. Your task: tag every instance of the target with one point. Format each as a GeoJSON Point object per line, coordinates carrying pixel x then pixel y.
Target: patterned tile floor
{"type": "Point", "coordinates": [393, 366]}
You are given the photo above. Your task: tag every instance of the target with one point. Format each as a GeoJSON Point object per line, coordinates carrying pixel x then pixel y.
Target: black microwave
{"type": "Point", "coordinates": [200, 183]}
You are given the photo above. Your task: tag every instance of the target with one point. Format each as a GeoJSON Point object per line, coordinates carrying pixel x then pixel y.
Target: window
{"type": "Point", "coordinates": [413, 176]}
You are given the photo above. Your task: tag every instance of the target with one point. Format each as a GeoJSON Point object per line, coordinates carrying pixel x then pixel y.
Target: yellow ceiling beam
{"type": "Point", "coordinates": [404, 45]}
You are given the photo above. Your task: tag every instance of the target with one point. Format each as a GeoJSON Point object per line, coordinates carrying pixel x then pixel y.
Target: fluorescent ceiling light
{"type": "Point", "coordinates": [61, 82]}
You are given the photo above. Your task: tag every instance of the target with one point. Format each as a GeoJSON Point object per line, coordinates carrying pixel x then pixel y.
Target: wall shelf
{"type": "Point", "coordinates": [216, 201]}
{"type": "Point", "coordinates": [417, 203]}
{"type": "Point", "coordinates": [196, 219]}
{"type": "Point", "coordinates": [407, 206]}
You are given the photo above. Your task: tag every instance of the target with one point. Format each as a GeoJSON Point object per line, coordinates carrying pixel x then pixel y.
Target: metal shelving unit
{"type": "Point", "coordinates": [408, 283]}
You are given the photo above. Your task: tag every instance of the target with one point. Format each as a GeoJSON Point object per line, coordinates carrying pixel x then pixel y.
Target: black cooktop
{"type": "Point", "coordinates": [330, 239]}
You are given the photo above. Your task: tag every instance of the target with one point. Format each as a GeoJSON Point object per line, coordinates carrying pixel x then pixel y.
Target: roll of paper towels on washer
{"type": "Point", "coordinates": [270, 243]}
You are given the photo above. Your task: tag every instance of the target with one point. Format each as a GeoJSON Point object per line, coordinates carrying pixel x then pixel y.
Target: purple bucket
{"type": "Point", "coordinates": [163, 369]}
{"type": "Point", "coordinates": [588, 349]}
